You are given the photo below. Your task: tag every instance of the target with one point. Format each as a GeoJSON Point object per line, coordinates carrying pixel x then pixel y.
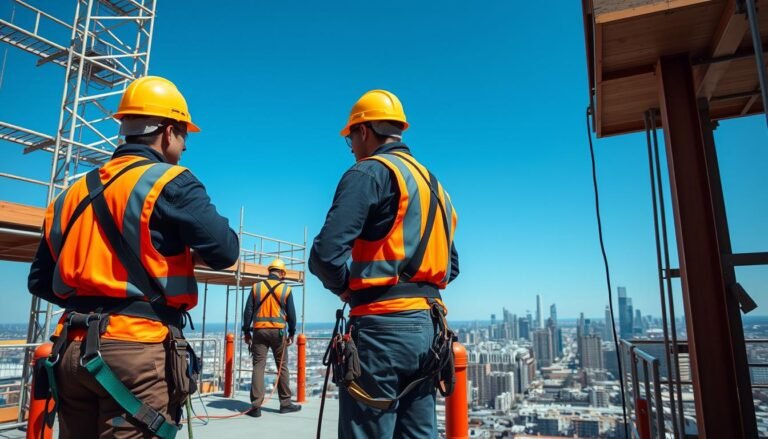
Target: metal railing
{"type": "Point", "coordinates": [212, 375]}
{"type": "Point", "coordinates": [647, 382]}
{"type": "Point", "coordinates": [18, 391]}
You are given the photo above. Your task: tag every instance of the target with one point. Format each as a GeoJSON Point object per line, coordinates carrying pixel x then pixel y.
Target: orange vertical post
{"type": "Point", "coordinates": [36, 420]}
{"type": "Point", "coordinates": [643, 418]}
{"type": "Point", "coordinates": [229, 364]}
{"type": "Point", "coordinates": [456, 406]}
{"type": "Point", "coordinates": [301, 367]}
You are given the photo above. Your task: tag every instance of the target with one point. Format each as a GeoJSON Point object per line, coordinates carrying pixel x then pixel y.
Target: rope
{"type": "Point", "coordinates": [607, 275]}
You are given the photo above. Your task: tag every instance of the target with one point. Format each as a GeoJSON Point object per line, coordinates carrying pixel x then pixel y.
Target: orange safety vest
{"type": "Point", "coordinates": [269, 301]}
{"type": "Point", "coordinates": [86, 266]}
{"type": "Point", "coordinates": [382, 263]}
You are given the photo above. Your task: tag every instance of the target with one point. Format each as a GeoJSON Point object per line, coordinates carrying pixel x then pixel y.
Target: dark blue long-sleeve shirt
{"type": "Point", "coordinates": [364, 206]}
{"type": "Point", "coordinates": [183, 217]}
{"type": "Point", "coordinates": [290, 312]}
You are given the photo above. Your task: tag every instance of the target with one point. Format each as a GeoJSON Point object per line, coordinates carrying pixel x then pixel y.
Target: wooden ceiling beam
{"type": "Point", "coordinates": [728, 36]}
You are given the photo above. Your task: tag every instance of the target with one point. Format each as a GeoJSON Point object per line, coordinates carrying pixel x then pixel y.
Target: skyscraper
{"type": "Point", "coordinates": [553, 313]}
{"type": "Point", "coordinates": [608, 330]}
{"type": "Point", "coordinates": [637, 324]}
{"type": "Point", "coordinates": [626, 323]}
{"type": "Point", "coordinates": [525, 329]}
{"type": "Point", "coordinates": [591, 353]}
{"type": "Point", "coordinates": [539, 321]}
{"type": "Point", "coordinates": [543, 348]}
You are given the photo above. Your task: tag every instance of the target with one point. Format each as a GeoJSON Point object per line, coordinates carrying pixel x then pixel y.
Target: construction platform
{"type": "Point", "coordinates": [21, 228]}
{"type": "Point", "coordinates": [300, 424]}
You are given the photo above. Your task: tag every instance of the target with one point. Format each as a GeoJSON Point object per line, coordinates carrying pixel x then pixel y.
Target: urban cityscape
{"type": "Point", "coordinates": [530, 374]}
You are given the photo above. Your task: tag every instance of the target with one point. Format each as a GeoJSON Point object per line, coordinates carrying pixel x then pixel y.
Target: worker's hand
{"type": "Point", "coordinates": [247, 339]}
{"type": "Point", "coordinates": [346, 295]}
{"type": "Point", "coordinates": [289, 340]}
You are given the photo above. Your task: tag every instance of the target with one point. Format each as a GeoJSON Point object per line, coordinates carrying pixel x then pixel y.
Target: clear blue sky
{"type": "Point", "coordinates": [495, 93]}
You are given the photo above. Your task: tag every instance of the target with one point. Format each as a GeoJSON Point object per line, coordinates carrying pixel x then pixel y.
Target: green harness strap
{"type": "Point", "coordinates": [155, 421]}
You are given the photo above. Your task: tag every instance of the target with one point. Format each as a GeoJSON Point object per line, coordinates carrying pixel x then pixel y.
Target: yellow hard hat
{"type": "Point", "coordinates": [155, 96]}
{"type": "Point", "coordinates": [376, 105]}
{"type": "Point", "coordinates": [277, 264]}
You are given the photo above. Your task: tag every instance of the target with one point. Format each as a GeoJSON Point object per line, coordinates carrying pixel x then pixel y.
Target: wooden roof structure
{"type": "Point", "coordinates": [625, 39]}
{"type": "Point", "coordinates": [20, 231]}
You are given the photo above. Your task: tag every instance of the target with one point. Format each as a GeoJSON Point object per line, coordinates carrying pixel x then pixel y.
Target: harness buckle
{"type": "Point", "coordinates": [84, 359]}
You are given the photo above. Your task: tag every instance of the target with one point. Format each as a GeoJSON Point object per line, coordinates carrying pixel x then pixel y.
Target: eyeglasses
{"type": "Point", "coordinates": [352, 130]}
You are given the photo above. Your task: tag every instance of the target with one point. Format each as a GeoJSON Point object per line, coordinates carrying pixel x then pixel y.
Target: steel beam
{"type": "Point", "coordinates": [721, 410]}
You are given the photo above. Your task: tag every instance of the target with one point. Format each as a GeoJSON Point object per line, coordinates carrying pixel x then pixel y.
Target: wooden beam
{"type": "Point", "coordinates": [642, 9]}
{"type": "Point", "coordinates": [599, 79]}
{"type": "Point", "coordinates": [729, 34]}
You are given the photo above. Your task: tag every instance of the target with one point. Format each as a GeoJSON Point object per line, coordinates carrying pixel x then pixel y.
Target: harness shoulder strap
{"type": "Point", "coordinates": [270, 293]}
{"type": "Point", "coordinates": [414, 263]}
{"type": "Point", "coordinates": [136, 270]}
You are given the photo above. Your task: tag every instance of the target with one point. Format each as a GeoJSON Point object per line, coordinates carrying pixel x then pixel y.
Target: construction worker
{"type": "Point", "coordinates": [118, 254]}
{"type": "Point", "coordinates": [396, 222]}
{"type": "Point", "coordinates": [268, 310]}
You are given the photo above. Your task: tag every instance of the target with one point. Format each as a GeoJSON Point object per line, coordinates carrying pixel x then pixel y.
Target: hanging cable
{"type": "Point", "coordinates": [607, 275]}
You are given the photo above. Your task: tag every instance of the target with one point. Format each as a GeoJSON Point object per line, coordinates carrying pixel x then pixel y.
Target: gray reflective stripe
{"type": "Point", "coordinates": [56, 233]}
{"type": "Point", "coordinates": [374, 269]}
{"type": "Point", "coordinates": [283, 293]}
{"type": "Point", "coordinates": [412, 219]}
{"type": "Point", "coordinates": [58, 285]}
{"type": "Point", "coordinates": [449, 214]}
{"type": "Point", "coordinates": [178, 285]}
{"type": "Point", "coordinates": [269, 319]}
{"type": "Point", "coordinates": [135, 205]}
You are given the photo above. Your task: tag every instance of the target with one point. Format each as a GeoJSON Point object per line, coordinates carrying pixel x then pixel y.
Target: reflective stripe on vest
{"type": "Point", "coordinates": [271, 313]}
{"type": "Point", "coordinates": [85, 263]}
{"type": "Point", "coordinates": [380, 263]}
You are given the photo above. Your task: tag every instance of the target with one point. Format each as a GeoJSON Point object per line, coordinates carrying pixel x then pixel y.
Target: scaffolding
{"type": "Point", "coordinates": [104, 47]}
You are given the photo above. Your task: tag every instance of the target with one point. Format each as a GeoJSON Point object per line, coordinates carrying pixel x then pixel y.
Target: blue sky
{"type": "Point", "coordinates": [495, 93]}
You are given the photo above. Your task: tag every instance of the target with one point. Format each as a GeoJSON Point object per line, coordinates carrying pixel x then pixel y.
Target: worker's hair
{"type": "Point", "coordinates": [150, 138]}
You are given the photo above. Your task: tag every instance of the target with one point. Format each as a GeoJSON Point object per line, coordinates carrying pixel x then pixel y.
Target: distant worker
{"type": "Point", "coordinates": [118, 254]}
{"type": "Point", "coordinates": [268, 311]}
{"type": "Point", "coordinates": [396, 222]}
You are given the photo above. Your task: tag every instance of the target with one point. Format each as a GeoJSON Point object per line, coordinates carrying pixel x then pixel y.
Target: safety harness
{"type": "Point", "coordinates": [92, 315]}
{"type": "Point", "coordinates": [342, 356]}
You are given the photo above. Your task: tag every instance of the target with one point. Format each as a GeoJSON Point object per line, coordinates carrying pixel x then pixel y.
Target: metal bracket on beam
{"type": "Point", "coordinates": [671, 273]}
{"type": "Point", "coordinates": [746, 303]}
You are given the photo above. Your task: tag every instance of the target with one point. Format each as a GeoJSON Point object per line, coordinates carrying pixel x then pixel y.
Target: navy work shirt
{"type": "Point", "coordinates": [183, 217]}
{"type": "Point", "coordinates": [365, 206]}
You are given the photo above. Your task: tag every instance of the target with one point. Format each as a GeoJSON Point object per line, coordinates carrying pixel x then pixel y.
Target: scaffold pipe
{"type": "Point", "coordinates": [301, 367]}
{"type": "Point", "coordinates": [37, 407]}
{"type": "Point", "coordinates": [229, 364]}
{"type": "Point", "coordinates": [456, 407]}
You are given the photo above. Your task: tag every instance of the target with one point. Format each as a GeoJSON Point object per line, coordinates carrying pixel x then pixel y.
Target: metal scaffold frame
{"type": "Point", "coordinates": [109, 46]}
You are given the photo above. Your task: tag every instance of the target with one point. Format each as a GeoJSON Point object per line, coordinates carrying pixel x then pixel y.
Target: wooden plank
{"type": "Point", "coordinates": [728, 36]}
{"type": "Point", "coordinates": [599, 80]}
{"type": "Point", "coordinates": [607, 11]}
{"type": "Point", "coordinates": [21, 216]}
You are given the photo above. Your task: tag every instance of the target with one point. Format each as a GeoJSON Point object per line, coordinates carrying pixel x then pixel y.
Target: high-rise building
{"type": "Point", "coordinates": [611, 361]}
{"type": "Point", "coordinates": [553, 313]}
{"type": "Point", "coordinates": [637, 324]}
{"type": "Point", "coordinates": [591, 353]}
{"type": "Point", "coordinates": [504, 402]}
{"type": "Point", "coordinates": [525, 329]}
{"type": "Point", "coordinates": [626, 317]}
{"type": "Point", "coordinates": [499, 383]}
{"type": "Point", "coordinates": [539, 320]}
{"type": "Point", "coordinates": [557, 337]}
{"type": "Point", "coordinates": [515, 328]}
{"type": "Point", "coordinates": [526, 371]}
{"type": "Point", "coordinates": [543, 348]}
{"type": "Point", "coordinates": [478, 374]}
{"type": "Point", "coordinates": [599, 397]}
{"type": "Point", "coordinates": [608, 329]}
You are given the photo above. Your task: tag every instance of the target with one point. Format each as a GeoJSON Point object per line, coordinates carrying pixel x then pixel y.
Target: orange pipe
{"type": "Point", "coordinates": [36, 421]}
{"type": "Point", "coordinates": [301, 368]}
{"type": "Point", "coordinates": [229, 364]}
{"type": "Point", "coordinates": [456, 406]}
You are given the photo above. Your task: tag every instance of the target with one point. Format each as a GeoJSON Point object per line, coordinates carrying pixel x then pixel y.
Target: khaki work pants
{"type": "Point", "coordinates": [86, 410]}
{"type": "Point", "coordinates": [263, 340]}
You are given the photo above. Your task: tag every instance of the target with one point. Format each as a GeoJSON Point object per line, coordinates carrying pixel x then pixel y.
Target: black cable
{"type": "Point", "coordinates": [607, 276]}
